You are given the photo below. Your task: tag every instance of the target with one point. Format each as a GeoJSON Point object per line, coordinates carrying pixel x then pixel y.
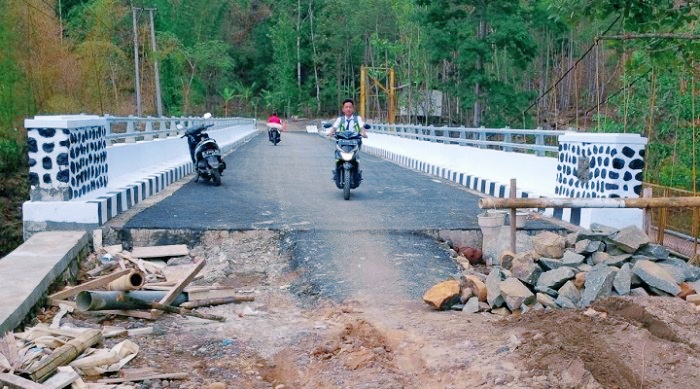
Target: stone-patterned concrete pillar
{"type": "Point", "coordinates": [67, 156]}
{"type": "Point", "coordinates": [593, 165]}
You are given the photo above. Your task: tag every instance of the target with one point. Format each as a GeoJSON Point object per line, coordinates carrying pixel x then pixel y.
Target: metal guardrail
{"type": "Point", "coordinates": [130, 129]}
{"type": "Point", "coordinates": [538, 141]}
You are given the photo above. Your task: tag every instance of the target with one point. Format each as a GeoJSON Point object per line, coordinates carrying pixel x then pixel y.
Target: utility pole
{"type": "Point", "coordinates": [136, 62]}
{"type": "Point", "coordinates": [159, 103]}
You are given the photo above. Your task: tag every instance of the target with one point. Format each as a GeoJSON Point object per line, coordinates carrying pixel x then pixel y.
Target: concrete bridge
{"type": "Point", "coordinates": [85, 170]}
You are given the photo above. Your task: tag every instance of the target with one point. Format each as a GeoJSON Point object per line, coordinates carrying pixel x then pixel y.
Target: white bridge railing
{"type": "Point", "coordinates": [130, 129]}
{"type": "Point", "coordinates": [538, 141]}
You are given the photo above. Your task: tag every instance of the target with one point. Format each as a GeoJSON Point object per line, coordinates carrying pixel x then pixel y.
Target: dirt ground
{"type": "Point", "coordinates": [281, 340]}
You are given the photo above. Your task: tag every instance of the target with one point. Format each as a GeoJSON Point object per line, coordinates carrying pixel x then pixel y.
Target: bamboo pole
{"type": "Point", "coordinates": [216, 301]}
{"type": "Point", "coordinates": [132, 281]}
{"type": "Point", "coordinates": [65, 354]}
{"type": "Point", "coordinates": [657, 202]}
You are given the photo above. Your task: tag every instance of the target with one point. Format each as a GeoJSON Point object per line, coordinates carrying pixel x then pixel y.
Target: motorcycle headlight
{"type": "Point", "coordinates": [346, 156]}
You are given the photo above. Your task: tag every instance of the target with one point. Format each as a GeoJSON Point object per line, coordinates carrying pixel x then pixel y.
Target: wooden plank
{"type": "Point", "coordinates": [180, 286]}
{"type": "Point", "coordinates": [211, 294]}
{"type": "Point", "coordinates": [125, 312]}
{"type": "Point", "coordinates": [16, 382]}
{"type": "Point", "coordinates": [134, 378]}
{"type": "Point", "coordinates": [173, 250]}
{"type": "Point", "coordinates": [104, 280]}
{"type": "Point", "coordinates": [66, 375]}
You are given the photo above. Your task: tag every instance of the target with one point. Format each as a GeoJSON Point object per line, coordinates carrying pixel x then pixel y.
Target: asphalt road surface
{"type": "Point", "coordinates": [379, 241]}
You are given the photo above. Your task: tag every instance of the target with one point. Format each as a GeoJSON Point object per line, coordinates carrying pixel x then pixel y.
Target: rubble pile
{"type": "Point", "coordinates": [143, 283]}
{"type": "Point", "coordinates": [569, 272]}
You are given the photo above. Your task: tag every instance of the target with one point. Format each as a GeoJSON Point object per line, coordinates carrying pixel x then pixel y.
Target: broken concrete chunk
{"type": "Point", "coordinates": [442, 295]}
{"type": "Point", "coordinates": [691, 272]}
{"type": "Point", "coordinates": [546, 300]}
{"type": "Point", "coordinates": [565, 303]}
{"type": "Point", "coordinates": [656, 276]}
{"type": "Point", "coordinates": [477, 286]}
{"type": "Point", "coordinates": [471, 306]}
{"type": "Point", "coordinates": [623, 280]}
{"type": "Point", "coordinates": [570, 292]}
{"type": "Point", "coordinates": [493, 281]}
{"type": "Point", "coordinates": [549, 263]}
{"type": "Point", "coordinates": [598, 258]}
{"type": "Point", "coordinates": [629, 239]}
{"type": "Point", "coordinates": [549, 244]}
{"type": "Point", "coordinates": [572, 259]}
{"type": "Point", "coordinates": [525, 269]}
{"type": "Point", "coordinates": [639, 292]}
{"type": "Point", "coordinates": [515, 293]}
{"type": "Point", "coordinates": [617, 260]}
{"type": "Point", "coordinates": [599, 283]}
{"type": "Point", "coordinates": [555, 278]}
{"type": "Point", "coordinates": [655, 251]}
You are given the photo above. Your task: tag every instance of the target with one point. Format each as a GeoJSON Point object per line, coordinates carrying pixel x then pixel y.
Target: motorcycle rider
{"type": "Point", "coordinates": [348, 121]}
{"type": "Point", "coordinates": [273, 119]}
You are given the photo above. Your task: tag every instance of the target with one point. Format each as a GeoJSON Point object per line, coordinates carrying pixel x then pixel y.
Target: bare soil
{"type": "Point", "coordinates": [282, 340]}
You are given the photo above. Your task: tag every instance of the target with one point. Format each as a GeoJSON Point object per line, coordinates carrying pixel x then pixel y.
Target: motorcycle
{"type": "Point", "coordinates": [347, 174]}
{"type": "Point", "coordinates": [273, 133]}
{"type": "Point", "coordinates": [205, 153]}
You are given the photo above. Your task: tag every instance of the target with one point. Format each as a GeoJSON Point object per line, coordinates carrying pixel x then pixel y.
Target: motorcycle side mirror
{"type": "Point", "coordinates": [327, 125]}
{"type": "Point", "coordinates": [207, 115]}
{"type": "Point", "coordinates": [367, 126]}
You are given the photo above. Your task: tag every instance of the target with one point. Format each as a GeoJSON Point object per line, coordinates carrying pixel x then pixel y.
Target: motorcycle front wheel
{"type": "Point", "coordinates": [216, 177]}
{"type": "Point", "coordinates": [346, 184]}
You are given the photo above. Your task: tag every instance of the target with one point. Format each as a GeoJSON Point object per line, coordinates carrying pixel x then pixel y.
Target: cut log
{"type": "Point", "coordinates": [174, 250]}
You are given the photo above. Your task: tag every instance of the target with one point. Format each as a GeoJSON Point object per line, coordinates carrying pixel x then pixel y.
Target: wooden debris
{"type": "Point", "coordinates": [65, 354]}
{"type": "Point", "coordinates": [66, 375]}
{"type": "Point", "coordinates": [175, 250]}
{"type": "Point", "coordinates": [96, 283]}
{"type": "Point", "coordinates": [216, 301]}
{"type": "Point", "coordinates": [16, 382]}
{"type": "Point", "coordinates": [135, 378]}
{"type": "Point", "coordinates": [103, 268]}
{"type": "Point", "coordinates": [178, 288]}
{"type": "Point", "coordinates": [214, 293]}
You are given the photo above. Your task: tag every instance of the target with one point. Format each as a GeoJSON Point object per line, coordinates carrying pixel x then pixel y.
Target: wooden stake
{"type": "Point", "coordinates": [178, 288]}
{"type": "Point", "coordinates": [513, 223]}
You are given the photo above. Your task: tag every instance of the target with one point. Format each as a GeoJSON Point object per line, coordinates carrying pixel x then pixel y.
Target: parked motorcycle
{"type": "Point", "coordinates": [273, 133]}
{"type": "Point", "coordinates": [347, 174]}
{"type": "Point", "coordinates": [205, 153]}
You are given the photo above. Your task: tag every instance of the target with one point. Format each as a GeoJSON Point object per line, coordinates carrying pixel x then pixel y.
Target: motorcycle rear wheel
{"type": "Point", "coordinates": [346, 184]}
{"type": "Point", "coordinates": [216, 177]}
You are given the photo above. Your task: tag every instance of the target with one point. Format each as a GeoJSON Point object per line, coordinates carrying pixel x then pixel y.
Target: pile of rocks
{"type": "Point", "coordinates": [570, 272]}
